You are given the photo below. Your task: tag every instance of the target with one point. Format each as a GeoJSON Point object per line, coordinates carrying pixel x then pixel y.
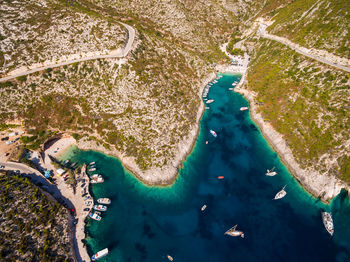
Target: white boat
{"type": "Point", "coordinates": [97, 180]}
{"type": "Point", "coordinates": [100, 254]}
{"type": "Point", "coordinates": [230, 88]}
{"type": "Point", "coordinates": [91, 163]}
{"type": "Point", "coordinates": [94, 216]}
{"type": "Point", "coordinates": [210, 101]}
{"type": "Point", "coordinates": [244, 108]}
{"type": "Point", "coordinates": [271, 172]}
{"type": "Point", "coordinates": [105, 201]}
{"type": "Point", "coordinates": [92, 169]}
{"type": "Point", "coordinates": [100, 207]}
{"type": "Point", "coordinates": [207, 107]}
{"type": "Point", "coordinates": [281, 193]}
{"type": "Point", "coordinates": [234, 233]}
{"type": "Point", "coordinates": [213, 133]}
{"type": "Point", "coordinates": [170, 258]}
{"type": "Point", "coordinates": [328, 222]}
{"type": "Point", "coordinates": [204, 207]}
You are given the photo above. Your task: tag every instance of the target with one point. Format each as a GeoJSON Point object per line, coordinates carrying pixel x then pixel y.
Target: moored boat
{"type": "Point", "coordinates": [100, 207]}
{"type": "Point", "coordinates": [244, 108]}
{"type": "Point", "coordinates": [170, 258]}
{"type": "Point", "coordinates": [91, 163]}
{"type": "Point", "coordinates": [220, 177]}
{"type": "Point", "coordinates": [105, 201]}
{"type": "Point", "coordinates": [213, 133]}
{"type": "Point", "coordinates": [100, 254]}
{"type": "Point", "coordinates": [96, 180]}
{"type": "Point", "coordinates": [271, 172]}
{"type": "Point", "coordinates": [281, 193]}
{"type": "Point", "coordinates": [94, 216]}
{"type": "Point", "coordinates": [328, 222]}
{"type": "Point", "coordinates": [210, 101]}
{"type": "Point", "coordinates": [204, 207]}
{"type": "Point", "coordinates": [234, 233]}
{"type": "Point", "coordinates": [92, 169]}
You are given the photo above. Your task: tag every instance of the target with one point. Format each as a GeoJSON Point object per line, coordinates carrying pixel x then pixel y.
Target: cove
{"type": "Point", "coordinates": [146, 223]}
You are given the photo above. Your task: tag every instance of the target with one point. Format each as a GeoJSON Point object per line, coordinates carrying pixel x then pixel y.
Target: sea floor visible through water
{"type": "Point", "coordinates": [146, 223]}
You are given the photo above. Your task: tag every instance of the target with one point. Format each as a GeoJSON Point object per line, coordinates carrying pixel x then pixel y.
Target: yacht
{"type": "Point", "coordinates": [234, 233]}
{"type": "Point", "coordinates": [281, 193]}
{"type": "Point", "coordinates": [100, 254]}
{"type": "Point", "coordinates": [213, 133]}
{"type": "Point", "coordinates": [328, 222]}
{"type": "Point", "coordinates": [105, 201]}
{"type": "Point", "coordinates": [100, 207]}
{"type": "Point", "coordinates": [244, 108]}
{"type": "Point", "coordinates": [94, 216]}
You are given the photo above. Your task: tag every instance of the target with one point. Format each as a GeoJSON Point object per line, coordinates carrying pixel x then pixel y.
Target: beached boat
{"type": "Point", "coordinates": [100, 254]}
{"type": "Point", "coordinates": [170, 258]}
{"type": "Point", "coordinates": [100, 207]}
{"type": "Point", "coordinates": [210, 101]}
{"type": "Point", "coordinates": [271, 172]}
{"type": "Point", "coordinates": [281, 193]}
{"type": "Point", "coordinates": [213, 133]}
{"type": "Point", "coordinates": [244, 108]}
{"type": "Point", "coordinates": [234, 233]}
{"type": "Point", "coordinates": [105, 201]}
{"type": "Point", "coordinates": [328, 222]}
{"type": "Point", "coordinates": [94, 216]}
{"type": "Point", "coordinates": [204, 207]}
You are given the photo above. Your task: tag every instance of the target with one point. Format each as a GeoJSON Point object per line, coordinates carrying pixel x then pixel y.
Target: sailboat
{"type": "Point", "coordinates": [234, 233]}
{"type": "Point", "coordinates": [271, 172]}
{"type": "Point", "coordinates": [281, 193]}
{"type": "Point", "coordinates": [328, 222]}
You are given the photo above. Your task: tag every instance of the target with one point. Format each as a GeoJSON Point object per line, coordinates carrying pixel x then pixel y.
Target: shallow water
{"type": "Point", "coordinates": [147, 223]}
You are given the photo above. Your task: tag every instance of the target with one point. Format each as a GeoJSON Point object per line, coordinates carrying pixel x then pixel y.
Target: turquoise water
{"type": "Point", "coordinates": [147, 223]}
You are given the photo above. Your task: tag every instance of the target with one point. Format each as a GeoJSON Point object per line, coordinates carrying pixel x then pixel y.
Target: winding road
{"type": "Point", "coordinates": [301, 50]}
{"type": "Point", "coordinates": [130, 37]}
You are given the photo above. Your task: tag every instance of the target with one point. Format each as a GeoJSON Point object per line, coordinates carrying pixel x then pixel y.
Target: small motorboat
{"type": "Point", "coordinates": [281, 193]}
{"type": "Point", "coordinates": [220, 177]}
{"type": "Point", "coordinates": [234, 233]}
{"type": "Point", "coordinates": [91, 163]}
{"type": "Point", "coordinates": [170, 258]}
{"type": "Point", "coordinates": [210, 101]}
{"type": "Point", "coordinates": [271, 172]}
{"type": "Point", "coordinates": [92, 169]}
{"type": "Point", "coordinates": [206, 142]}
{"type": "Point", "coordinates": [244, 108]}
{"type": "Point", "coordinates": [213, 133]}
{"type": "Point", "coordinates": [203, 207]}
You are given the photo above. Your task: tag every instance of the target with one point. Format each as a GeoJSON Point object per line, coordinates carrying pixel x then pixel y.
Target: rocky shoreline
{"type": "Point", "coordinates": [166, 175]}
{"type": "Point", "coordinates": [319, 185]}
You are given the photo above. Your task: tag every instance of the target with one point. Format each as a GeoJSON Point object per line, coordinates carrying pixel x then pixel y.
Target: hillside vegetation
{"type": "Point", "coordinates": [32, 227]}
{"type": "Point", "coordinates": [320, 24]}
{"type": "Point", "coordinates": [307, 102]}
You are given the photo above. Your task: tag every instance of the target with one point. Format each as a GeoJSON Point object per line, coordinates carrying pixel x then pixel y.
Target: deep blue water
{"type": "Point", "coordinates": [147, 223]}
